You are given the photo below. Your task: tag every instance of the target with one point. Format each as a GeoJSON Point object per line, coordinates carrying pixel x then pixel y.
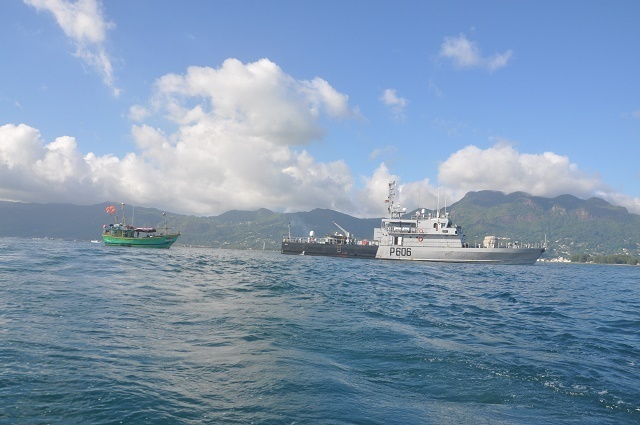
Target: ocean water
{"type": "Point", "coordinates": [97, 335]}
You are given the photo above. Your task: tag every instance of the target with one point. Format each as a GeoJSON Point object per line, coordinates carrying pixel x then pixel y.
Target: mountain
{"type": "Point", "coordinates": [255, 229]}
{"type": "Point", "coordinates": [65, 221]}
{"type": "Point", "coordinates": [570, 225]}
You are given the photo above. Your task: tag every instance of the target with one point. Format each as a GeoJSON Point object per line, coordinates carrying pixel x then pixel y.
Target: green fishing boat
{"type": "Point", "coordinates": [122, 234]}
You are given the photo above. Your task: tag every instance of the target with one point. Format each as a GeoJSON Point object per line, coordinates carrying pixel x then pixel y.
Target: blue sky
{"type": "Point", "coordinates": [201, 107]}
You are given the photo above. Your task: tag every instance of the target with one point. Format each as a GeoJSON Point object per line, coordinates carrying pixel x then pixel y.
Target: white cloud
{"type": "Point", "coordinates": [33, 171]}
{"type": "Point", "coordinates": [502, 168]}
{"type": "Point", "coordinates": [138, 113]}
{"type": "Point", "coordinates": [397, 104]}
{"type": "Point", "coordinates": [466, 54]}
{"type": "Point", "coordinates": [207, 168]}
{"type": "Point", "coordinates": [239, 143]}
{"type": "Point", "coordinates": [434, 88]}
{"type": "Point", "coordinates": [61, 161]}
{"type": "Point", "coordinates": [409, 195]}
{"type": "Point", "coordinates": [241, 129]}
{"type": "Point", "coordinates": [320, 93]}
{"type": "Point", "coordinates": [370, 199]}
{"type": "Point", "coordinates": [257, 99]}
{"type": "Point", "coordinates": [384, 151]}
{"type": "Point", "coordinates": [85, 25]}
{"type": "Point", "coordinates": [19, 145]}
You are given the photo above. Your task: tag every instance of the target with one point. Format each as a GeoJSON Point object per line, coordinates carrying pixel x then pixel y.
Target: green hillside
{"type": "Point", "coordinates": [571, 225]}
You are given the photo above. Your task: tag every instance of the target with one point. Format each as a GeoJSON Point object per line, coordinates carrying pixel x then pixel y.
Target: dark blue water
{"type": "Point", "coordinates": [96, 335]}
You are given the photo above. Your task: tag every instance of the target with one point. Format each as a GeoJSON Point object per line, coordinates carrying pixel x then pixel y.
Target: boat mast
{"type": "Point", "coordinates": [391, 200]}
{"type": "Point", "coordinates": [124, 220]}
{"type": "Point", "coordinates": [394, 209]}
{"type": "Point", "coordinates": [166, 223]}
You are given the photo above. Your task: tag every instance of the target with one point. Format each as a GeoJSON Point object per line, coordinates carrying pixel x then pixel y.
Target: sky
{"type": "Point", "coordinates": [202, 107]}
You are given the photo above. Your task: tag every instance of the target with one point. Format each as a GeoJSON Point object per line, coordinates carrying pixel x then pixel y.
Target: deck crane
{"type": "Point", "coordinates": [347, 234]}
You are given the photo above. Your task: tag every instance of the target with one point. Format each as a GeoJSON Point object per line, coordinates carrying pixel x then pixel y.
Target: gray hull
{"type": "Point", "coordinates": [461, 255]}
{"type": "Point", "coordinates": [329, 250]}
{"type": "Point", "coordinates": [441, 255]}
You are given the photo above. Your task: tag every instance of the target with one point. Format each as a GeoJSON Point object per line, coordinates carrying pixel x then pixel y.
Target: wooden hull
{"type": "Point", "coordinates": [161, 242]}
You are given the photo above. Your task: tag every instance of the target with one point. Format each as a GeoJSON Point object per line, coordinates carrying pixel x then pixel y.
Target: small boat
{"type": "Point", "coordinates": [423, 237]}
{"type": "Point", "coordinates": [122, 234]}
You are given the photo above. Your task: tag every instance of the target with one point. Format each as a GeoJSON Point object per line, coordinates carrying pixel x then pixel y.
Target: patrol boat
{"type": "Point", "coordinates": [423, 237]}
{"type": "Point", "coordinates": [434, 237]}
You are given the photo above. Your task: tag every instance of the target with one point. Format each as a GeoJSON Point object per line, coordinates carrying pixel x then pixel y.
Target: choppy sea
{"type": "Point", "coordinates": [99, 335]}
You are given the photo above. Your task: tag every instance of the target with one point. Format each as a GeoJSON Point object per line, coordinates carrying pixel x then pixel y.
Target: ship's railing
{"type": "Point", "coordinates": [393, 228]}
{"type": "Point", "coordinates": [328, 241]}
{"type": "Point", "coordinates": [514, 245]}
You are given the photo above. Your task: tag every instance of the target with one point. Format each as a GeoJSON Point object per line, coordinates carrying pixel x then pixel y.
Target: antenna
{"type": "Point", "coordinates": [434, 205]}
{"type": "Point", "coordinates": [445, 201]}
